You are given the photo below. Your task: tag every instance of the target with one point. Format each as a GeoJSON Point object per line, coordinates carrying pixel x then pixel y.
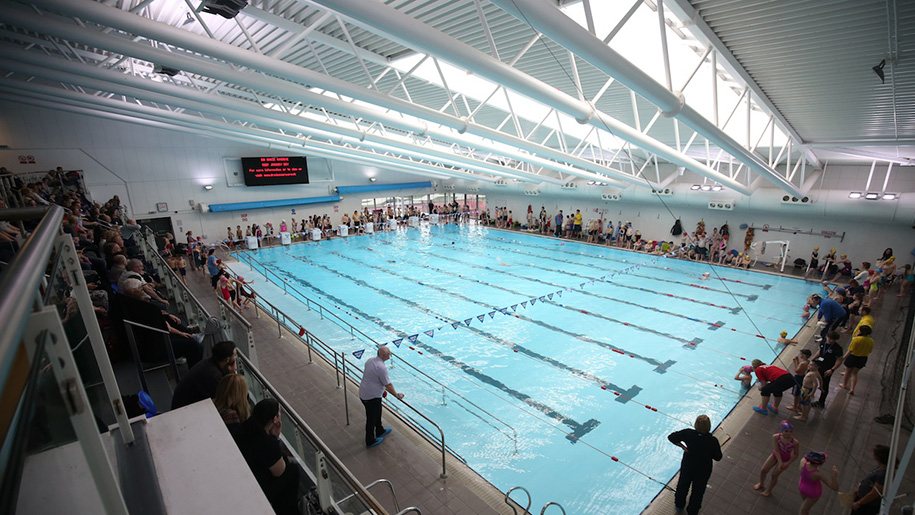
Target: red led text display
{"type": "Point", "coordinates": [266, 171]}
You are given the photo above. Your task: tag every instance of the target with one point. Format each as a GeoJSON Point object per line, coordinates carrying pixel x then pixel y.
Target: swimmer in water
{"type": "Point", "coordinates": [783, 338]}
{"type": "Point", "coordinates": [704, 276]}
{"type": "Point", "coordinates": [745, 376]}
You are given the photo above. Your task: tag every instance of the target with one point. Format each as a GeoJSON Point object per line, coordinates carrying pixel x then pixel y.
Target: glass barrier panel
{"type": "Point", "coordinates": [58, 293]}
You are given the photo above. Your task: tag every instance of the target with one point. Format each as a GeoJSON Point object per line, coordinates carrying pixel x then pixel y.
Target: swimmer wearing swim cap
{"type": "Point", "coordinates": [783, 338]}
{"type": "Point", "coordinates": [745, 376]}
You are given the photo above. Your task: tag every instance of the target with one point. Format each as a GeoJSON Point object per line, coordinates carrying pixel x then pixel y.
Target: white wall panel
{"type": "Point", "coordinates": [145, 165]}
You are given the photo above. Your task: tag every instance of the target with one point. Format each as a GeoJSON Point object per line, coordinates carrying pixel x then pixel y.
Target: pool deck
{"type": "Point", "coordinates": [844, 430]}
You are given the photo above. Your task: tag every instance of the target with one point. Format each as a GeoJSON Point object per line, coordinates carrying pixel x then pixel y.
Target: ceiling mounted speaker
{"type": "Point", "coordinates": [664, 192]}
{"type": "Point", "coordinates": [803, 201]}
{"type": "Point", "coordinates": [570, 186]}
{"type": "Point", "coordinates": [611, 195]}
{"type": "Point", "coordinates": [532, 192]}
{"type": "Point", "coordinates": [501, 182]}
{"type": "Point", "coordinates": [724, 205]}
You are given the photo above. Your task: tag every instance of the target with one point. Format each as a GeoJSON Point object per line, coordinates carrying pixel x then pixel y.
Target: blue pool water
{"type": "Point", "coordinates": [591, 355]}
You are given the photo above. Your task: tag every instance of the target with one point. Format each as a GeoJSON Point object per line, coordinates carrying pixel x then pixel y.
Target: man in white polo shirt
{"type": "Point", "coordinates": [374, 383]}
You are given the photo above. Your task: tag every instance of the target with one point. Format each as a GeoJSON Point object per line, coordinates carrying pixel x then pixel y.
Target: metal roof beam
{"type": "Point", "coordinates": [685, 11]}
{"type": "Point", "coordinates": [110, 16]}
{"type": "Point", "coordinates": [406, 30]}
{"type": "Point", "coordinates": [560, 28]}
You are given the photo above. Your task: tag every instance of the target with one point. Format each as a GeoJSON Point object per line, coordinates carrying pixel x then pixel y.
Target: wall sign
{"type": "Point", "coordinates": [162, 207]}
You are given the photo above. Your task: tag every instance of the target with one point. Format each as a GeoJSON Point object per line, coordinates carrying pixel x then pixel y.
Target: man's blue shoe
{"type": "Point", "coordinates": [761, 411]}
{"type": "Point", "coordinates": [376, 442]}
{"type": "Point", "coordinates": [387, 431]}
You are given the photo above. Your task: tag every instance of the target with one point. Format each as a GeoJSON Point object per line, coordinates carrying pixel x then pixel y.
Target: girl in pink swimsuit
{"type": "Point", "coordinates": [784, 453]}
{"type": "Point", "coordinates": [811, 483]}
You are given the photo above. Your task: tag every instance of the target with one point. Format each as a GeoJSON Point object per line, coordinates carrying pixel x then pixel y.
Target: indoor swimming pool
{"type": "Point", "coordinates": [554, 365]}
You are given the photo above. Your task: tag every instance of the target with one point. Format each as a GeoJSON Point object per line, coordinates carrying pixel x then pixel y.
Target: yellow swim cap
{"type": "Point", "coordinates": [891, 259]}
{"type": "Point", "coordinates": [816, 248]}
{"type": "Point", "coordinates": [784, 334]}
{"type": "Point", "coordinates": [832, 250]}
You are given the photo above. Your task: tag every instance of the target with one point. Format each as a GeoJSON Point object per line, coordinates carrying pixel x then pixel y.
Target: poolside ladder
{"type": "Point", "coordinates": [527, 508]}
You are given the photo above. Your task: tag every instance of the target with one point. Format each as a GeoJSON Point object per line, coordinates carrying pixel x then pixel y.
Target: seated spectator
{"type": "Point", "coordinates": [118, 268]}
{"type": "Point", "coordinates": [201, 380]}
{"type": "Point", "coordinates": [184, 344]}
{"type": "Point", "coordinates": [132, 279]}
{"type": "Point", "coordinates": [231, 399]}
{"type": "Point", "coordinates": [258, 441]}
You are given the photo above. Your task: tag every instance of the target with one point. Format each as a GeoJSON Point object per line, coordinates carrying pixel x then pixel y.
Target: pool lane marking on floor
{"type": "Point", "coordinates": [629, 394]}
{"type": "Point", "coordinates": [659, 366]}
{"type": "Point", "coordinates": [620, 397]}
{"type": "Point", "coordinates": [733, 310]}
{"type": "Point", "coordinates": [692, 345]}
{"type": "Point", "coordinates": [573, 437]}
{"type": "Point", "coordinates": [688, 344]}
{"type": "Point", "coordinates": [383, 239]}
{"type": "Point", "coordinates": [750, 298]}
{"type": "Point", "coordinates": [712, 326]}
{"type": "Point", "coordinates": [578, 429]}
{"type": "Point", "coordinates": [763, 286]}
{"type": "Point", "coordinates": [580, 290]}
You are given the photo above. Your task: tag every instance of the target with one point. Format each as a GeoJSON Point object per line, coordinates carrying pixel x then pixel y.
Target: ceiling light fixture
{"type": "Point", "coordinates": [706, 187]}
{"type": "Point", "coordinates": [872, 196]}
{"type": "Point", "coordinates": [855, 194]}
{"type": "Point", "coordinates": [890, 196]}
{"type": "Point", "coordinates": [716, 187]}
{"type": "Point", "coordinates": [372, 179]}
{"type": "Point", "coordinates": [695, 187]}
{"type": "Point", "coordinates": [208, 187]}
{"type": "Point", "coordinates": [879, 71]}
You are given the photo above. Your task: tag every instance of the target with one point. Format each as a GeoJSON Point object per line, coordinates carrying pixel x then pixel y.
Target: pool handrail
{"type": "Point", "coordinates": [321, 309]}
{"type": "Point", "coordinates": [337, 369]}
{"type": "Point", "coordinates": [345, 473]}
{"type": "Point", "coordinates": [513, 437]}
{"type": "Point", "coordinates": [423, 415]}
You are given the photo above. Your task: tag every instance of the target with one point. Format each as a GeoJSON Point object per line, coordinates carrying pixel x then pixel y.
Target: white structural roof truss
{"type": "Point", "coordinates": [483, 90]}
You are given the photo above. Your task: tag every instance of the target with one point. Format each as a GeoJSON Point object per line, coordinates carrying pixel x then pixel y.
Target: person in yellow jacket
{"type": "Point", "coordinates": [856, 357]}
{"type": "Point", "coordinates": [576, 225]}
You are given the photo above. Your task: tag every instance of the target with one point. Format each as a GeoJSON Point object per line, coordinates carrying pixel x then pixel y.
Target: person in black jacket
{"type": "Point", "coordinates": [201, 380]}
{"type": "Point", "coordinates": [699, 449]}
{"type": "Point", "coordinates": [258, 441]}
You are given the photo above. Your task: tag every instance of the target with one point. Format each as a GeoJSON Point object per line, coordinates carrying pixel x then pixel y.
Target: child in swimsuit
{"type": "Point", "coordinates": [811, 383]}
{"type": "Point", "coordinates": [800, 361]}
{"type": "Point", "coordinates": [745, 376]}
{"type": "Point", "coordinates": [811, 483]}
{"type": "Point", "coordinates": [785, 452]}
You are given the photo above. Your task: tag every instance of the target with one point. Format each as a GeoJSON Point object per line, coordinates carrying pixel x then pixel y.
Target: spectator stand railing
{"type": "Point", "coordinates": [311, 304]}
{"type": "Point", "coordinates": [340, 361]}
{"type": "Point", "coordinates": [186, 303]}
{"type": "Point", "coordinates": [42, 380]}
{"type": "Point", "coordinates": [238, 329]}
{"type": "Point", "coordinates": [305, 445]}
{"type": "Point", "coordinates": [296, 433]}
